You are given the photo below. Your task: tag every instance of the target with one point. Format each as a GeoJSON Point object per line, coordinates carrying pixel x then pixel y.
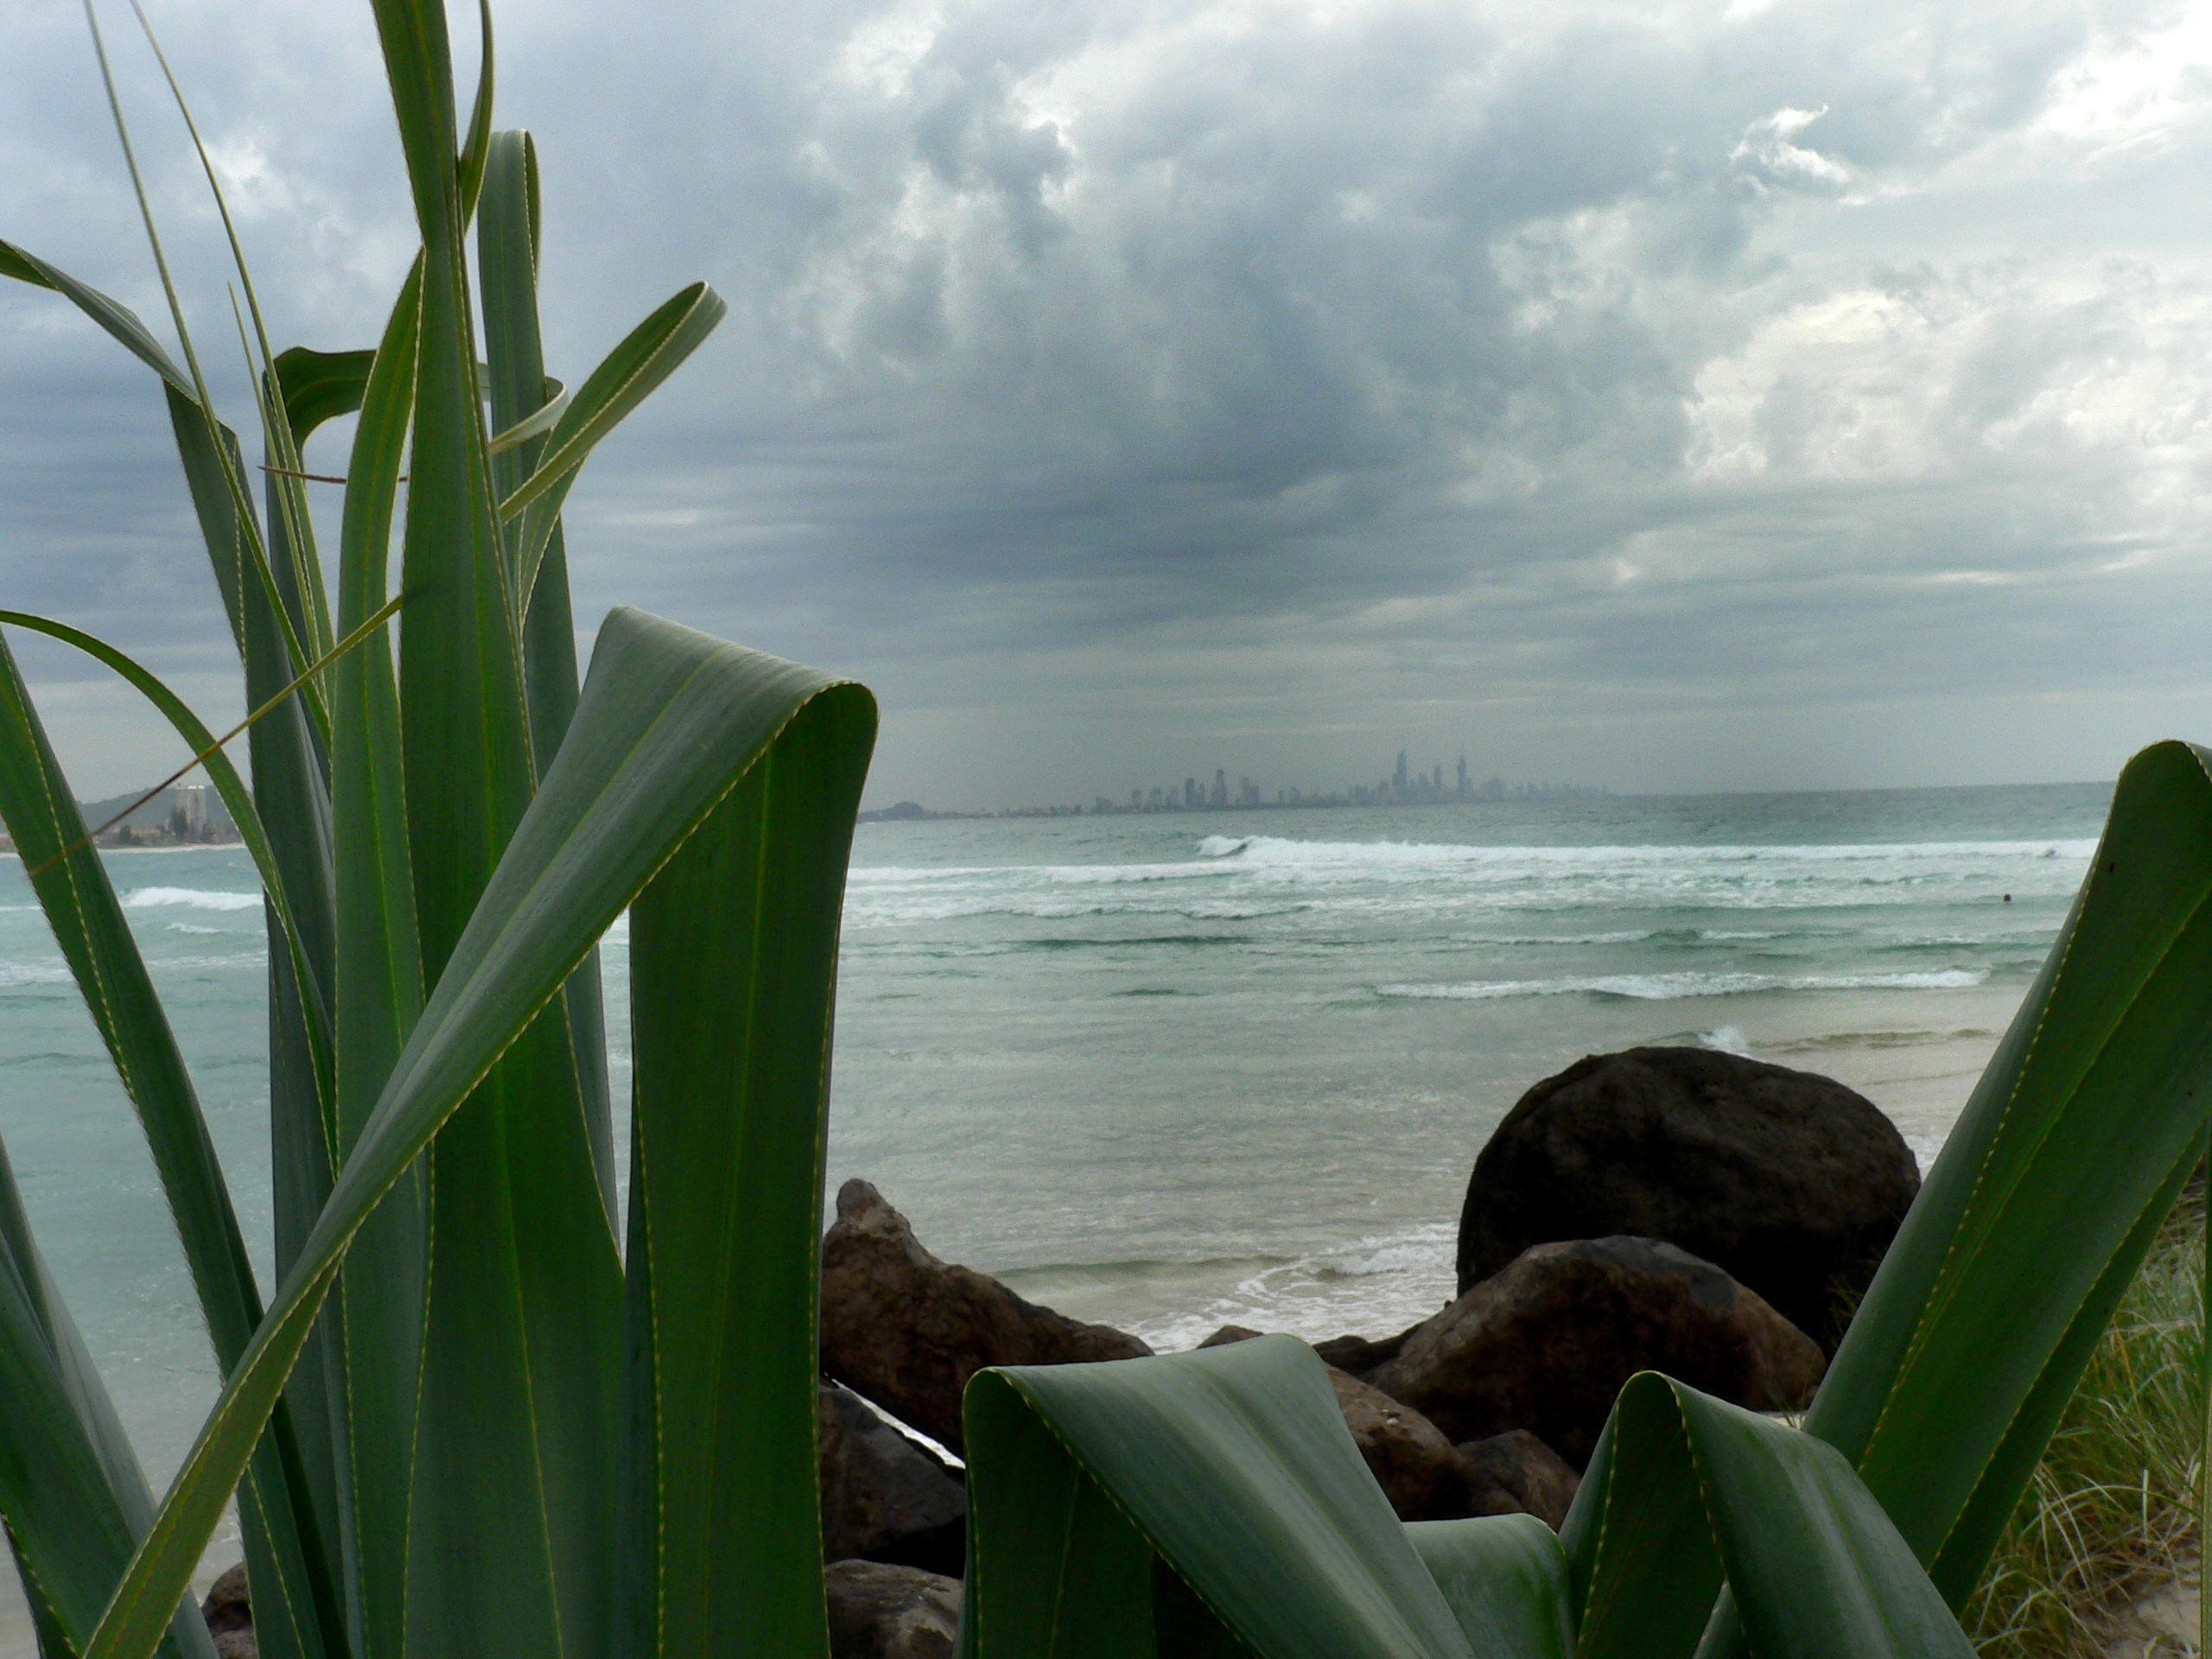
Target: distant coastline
{"type": "Point", "coordinates": [183, 815]}
{"type": "Point", "coordinates": [1403, 788]}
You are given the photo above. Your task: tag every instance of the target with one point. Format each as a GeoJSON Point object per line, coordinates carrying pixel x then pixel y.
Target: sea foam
{"type": "Point", "coordinates": [1667, 988]}
{"type": "Point", "coordinates": [198, 898]}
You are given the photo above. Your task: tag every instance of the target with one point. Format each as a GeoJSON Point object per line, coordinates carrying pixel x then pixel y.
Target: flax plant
{"type": "Point", "coordinates": [481, 1414]}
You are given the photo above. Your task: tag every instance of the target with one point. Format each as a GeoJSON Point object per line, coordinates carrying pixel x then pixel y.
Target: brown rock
{"type": "Point", "coordinates": [228, 1610]}
{"type": "Point", "coordinates": [908, 1331]}
{"type": "Point", "coordinates": [1547, 1344]}
{"type": "Point", "coordinates": [1417, 1468]}
{"type": "Point", "coordinates": [878, 1611]}
{"type": "Point", "coordinates": [1515, 1473]}
{"type": "Point", "coordinates": [883, 1496]}
{"type": "Point", "coordinates": [1360, 1354]}
{"type": "Point", "coordinates": [1228, 1334]}
{"type": "Point", "coordinates": [1788, 1181]}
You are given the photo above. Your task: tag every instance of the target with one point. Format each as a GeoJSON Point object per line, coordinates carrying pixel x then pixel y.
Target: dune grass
{"type": "Point", "coordinates": [2112, 1512]}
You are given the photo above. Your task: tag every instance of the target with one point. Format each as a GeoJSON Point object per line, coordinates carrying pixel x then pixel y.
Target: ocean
{"type": "Point", "coordinates": [1177, 1070]}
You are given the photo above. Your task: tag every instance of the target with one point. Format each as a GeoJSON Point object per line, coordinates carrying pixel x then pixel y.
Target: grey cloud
{"type": "Point", "coordinates": [1557, 360]}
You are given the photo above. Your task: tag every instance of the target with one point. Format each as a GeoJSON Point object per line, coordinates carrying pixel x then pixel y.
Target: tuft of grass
{"type": "Point", "coordinates": [2110, 1514]}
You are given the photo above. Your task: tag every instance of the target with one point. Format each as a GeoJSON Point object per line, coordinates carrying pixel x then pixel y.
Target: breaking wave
{"type": "Point", "coordinates": [1667, 988]}
{"type": "Point", "coordinates": [197, 898]}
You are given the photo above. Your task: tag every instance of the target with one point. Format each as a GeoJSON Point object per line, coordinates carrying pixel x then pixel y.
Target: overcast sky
{"type": "Point", "coordinates": [1705, 396]}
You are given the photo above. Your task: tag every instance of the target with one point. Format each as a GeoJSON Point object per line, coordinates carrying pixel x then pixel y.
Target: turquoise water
{"type": "Point", "coordinates": [1169, 1071]}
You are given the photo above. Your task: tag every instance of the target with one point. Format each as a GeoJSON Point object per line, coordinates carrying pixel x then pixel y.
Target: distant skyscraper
{"type": "Point", "coordinates": [1463, 777]}
{"type": "Point", "coordinates": [1191, 799]}
{"type": "Point", "coordinates": [1398, 778]}
{"type": "Point", "coordinates": [1220, 796]}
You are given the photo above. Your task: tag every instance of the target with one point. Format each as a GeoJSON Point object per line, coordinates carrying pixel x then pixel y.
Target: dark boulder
{"type": "Point", "coordinates": [878, 1611]}
{"type": "Point", "coordinates": [908, 1331]}
{"type": "Point", "coordinates": [1546, 1345]}
{"type": "Point", "coordinates": [228, 1608]}
{"type": "Point", "coordinates": [1515, 1473]}
{"type": "Point", "coordinates": [883, 1496]}
{"type": "Point", "coordinates": [1791, 1182]}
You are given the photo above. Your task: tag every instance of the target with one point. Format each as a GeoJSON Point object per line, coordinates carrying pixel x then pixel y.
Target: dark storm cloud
{"type": "Point", "coordinates": [1289, 378]}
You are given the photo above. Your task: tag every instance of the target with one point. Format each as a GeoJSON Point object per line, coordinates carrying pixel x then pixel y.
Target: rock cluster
{"type": "Point", "coordinates": [1790, 1182]}
{"type": "Point", "coordinates": [1669, 1209]}
{"type": "Point", "coordinates": [1546, 1345]}
{"type": "Point", "coordinates": [1489, 1406]}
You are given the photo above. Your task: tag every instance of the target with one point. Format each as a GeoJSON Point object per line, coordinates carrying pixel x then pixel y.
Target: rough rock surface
{"type": "Point", "coordinates": [883, 1496]}
{"type": "Point", "coordinates": [1230, 1333]}
{"type": "Point", "coordinates": [1789, 1181]}
{"type": "Point", "coordinates": [228, 1610]}
{"type": "Point", "coordinates": [878, 1611]}
{"type": "Point", "coordinates": [1360, 1354]}
{"type": "Point", "coordinates": [1417, 1468]}
{"type": "Point", "coordinates": [908, 1331]}
{"type": "Point", "coordinates": [1515, 1473]}
{"type": "Point", "coordinates": [1547, 1344]}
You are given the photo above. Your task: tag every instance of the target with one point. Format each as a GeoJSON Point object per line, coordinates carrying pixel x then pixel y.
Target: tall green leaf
{"type": "Point", "coordinates": [669, 722]}
{"type": "Point", "coordinates": [733, 964]}
{"type": "Point", "coordinates": [512, 1485]}
{"type": "Point", "coordinates": [289, 772]}
{"type": "Point", "coordinates": [379, 979]}
{"type": "Point", "coordinates": [88, 923]}
{"type": "Point", "coordinates": [70, 1490]}
{"type": "Point", "coordinates": [2045, 1196]}
{"type": "Point", "coordinates": [507, 242]}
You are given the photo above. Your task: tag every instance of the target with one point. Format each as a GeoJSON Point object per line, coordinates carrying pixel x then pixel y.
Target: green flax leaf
{"type": "Point", "coordinates": [379, 977]}
{"type": "Point", "coordinates": [519, 387]}
{"type": "Point", "coordinates": [2040, 1203]}
{"type": "Point", "coordinates": [669, 723]}
{"type": "Point", "coordinates": [73, 1498]}
{"type": "Point", "coordinates": [88, 924]}
{"type": "Point", "coordinates": [1505, 1579]}
{"type": "Point", "coordinates": [511, 1480]}
{"type": "Point", "coordinates": [318, 386]}
{"type": "Point", "coordinates": [646, 356]}
{"type": "Point", "coordinates": [1231, 1465]}
{"type": "Point", "coordinates": [119, 319]}
{"type": "Point", "coordinates": [1816, 1567]}
{"type": "Point", "coordinates": [733, 964]}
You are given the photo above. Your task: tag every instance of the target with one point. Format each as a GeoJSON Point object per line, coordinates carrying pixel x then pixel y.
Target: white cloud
{"type": "Point", "coordinates": [1768, 153]}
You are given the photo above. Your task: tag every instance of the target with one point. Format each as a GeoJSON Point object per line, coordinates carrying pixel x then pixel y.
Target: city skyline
{"type": "Point", "coordinates": [1404, 786]}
